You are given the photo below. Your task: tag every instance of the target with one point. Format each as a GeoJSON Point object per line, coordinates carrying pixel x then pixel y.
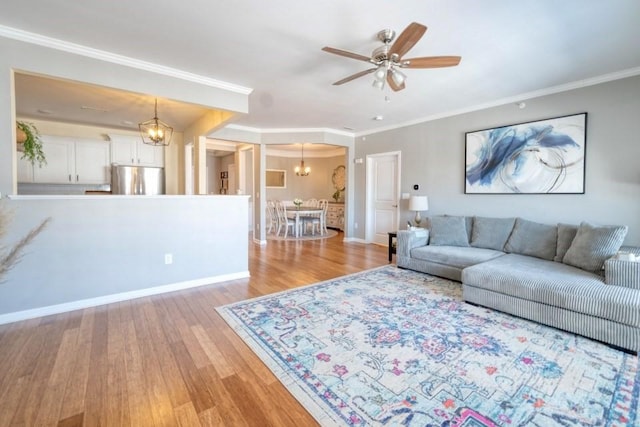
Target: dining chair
{"type": "Point", "coordinates": [311, 203]}
{"type": "Point", "coordinates": [272, 216]}
{"type": "Point", "coordinates": [324, 205]}
{"type": "Point", "coordinates": [284, 220]}
{"type": "Point", "coordinates": [314, 221]}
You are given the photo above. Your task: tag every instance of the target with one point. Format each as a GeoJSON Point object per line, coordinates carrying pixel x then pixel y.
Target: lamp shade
{"type": "Point", "coordinates": [418, 203]}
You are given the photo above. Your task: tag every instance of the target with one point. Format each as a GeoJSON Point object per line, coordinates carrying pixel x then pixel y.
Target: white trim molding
{"type": "Point", "coordinates": [287, 130]}
{"type": "Point", "coordinates": [109, 299]}
{"type": "Point", "coordinates": [512, 99]}
{"type": "Point", "coordinates": [37, 39]}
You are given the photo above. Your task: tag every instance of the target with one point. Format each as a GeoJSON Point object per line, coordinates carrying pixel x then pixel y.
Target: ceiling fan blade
{"type": "Point", "coordinates": [431, 62]}
{"type": "Point", "coordinates": [354, 76]}
{"type": "Point", "coordinates": [407, 39]}
{"type": "Point", "coordinates": [393, 84]}
{"type": "Point", "coordinates": [345, 53]}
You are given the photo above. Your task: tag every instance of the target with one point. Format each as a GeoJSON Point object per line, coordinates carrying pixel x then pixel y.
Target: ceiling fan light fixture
{"type": "Point", "coordinates": [378, 84]}
{"type": "Point", "coordinates": [397, 76]}
{"type": "Point", "coordinates": [388, 57]}
{"type": "Point", "coordinates": [381, 72]}
{"type": "Point", "coordinates": [155, 131]}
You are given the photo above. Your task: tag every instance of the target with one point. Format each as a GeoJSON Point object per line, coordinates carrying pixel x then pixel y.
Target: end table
{"type": "Point", "coordinates": [392, 246]}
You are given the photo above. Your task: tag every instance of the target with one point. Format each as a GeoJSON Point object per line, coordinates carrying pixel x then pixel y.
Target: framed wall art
{"type": "Point", "coordinates": [276, 178]}
{"type": "Point", "coordinates": [540, 157]}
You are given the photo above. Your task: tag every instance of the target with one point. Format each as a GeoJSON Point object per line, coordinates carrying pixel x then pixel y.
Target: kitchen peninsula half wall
{"type": "Point", "coordinates": [97, 250]}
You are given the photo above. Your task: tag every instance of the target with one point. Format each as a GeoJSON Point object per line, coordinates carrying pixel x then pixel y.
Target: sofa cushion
{"type": "Point", "coordinates": [448, 231]}
{"type": "Point", "coordinates": [566, 234]}
{"type": "Point", "coordinates": [533, 239]}
{"type": "Point", "coordinates": [455, 256]}
{"type": "Point", "coordinates": [557, 285]}
{"type": "Point", "coordinates": [593, 245]}
{"type": "Point", "coordinates": [491, 233]}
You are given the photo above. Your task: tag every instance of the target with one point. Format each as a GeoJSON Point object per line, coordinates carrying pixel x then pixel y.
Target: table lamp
{"type": "Point", "coordinates": [418, 204]}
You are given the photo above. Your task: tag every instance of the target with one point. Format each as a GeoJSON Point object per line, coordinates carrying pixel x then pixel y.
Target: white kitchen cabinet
{"type": "Point", "coordinates": [130, 150]}
{"type": "Point", "coordinates": [60, 166]}
{"type": "Point", "coordinates": [93, 162]}
{"type": "Point", "coordinates": [73, 161]}
{"type": "Point", "coordinates": [25, 169]}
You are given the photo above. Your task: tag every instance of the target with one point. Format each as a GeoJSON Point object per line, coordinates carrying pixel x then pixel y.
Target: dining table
{"type": "Point", "coordinates": [297, 211]}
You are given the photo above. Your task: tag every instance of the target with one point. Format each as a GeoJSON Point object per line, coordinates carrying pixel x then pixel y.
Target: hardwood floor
{"type": "Point", "coordinates": [165, 360]}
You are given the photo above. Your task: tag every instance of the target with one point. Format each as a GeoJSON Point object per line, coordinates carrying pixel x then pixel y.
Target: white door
{"type": "Point", "coordinates": [383, 189]}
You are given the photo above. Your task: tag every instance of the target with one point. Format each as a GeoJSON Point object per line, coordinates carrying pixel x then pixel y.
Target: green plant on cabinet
{"type": "Point", "coordinates": [32, 144]}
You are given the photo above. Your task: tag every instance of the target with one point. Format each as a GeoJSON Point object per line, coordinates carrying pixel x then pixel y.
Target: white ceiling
{"type": "Point", "coordinates": [510, 50]}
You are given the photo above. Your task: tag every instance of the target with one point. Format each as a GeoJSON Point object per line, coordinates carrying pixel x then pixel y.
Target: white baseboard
{"type": "Point", "coordinates": [108, 299]}
{"type": "Point", "coordinates": [355, 240]}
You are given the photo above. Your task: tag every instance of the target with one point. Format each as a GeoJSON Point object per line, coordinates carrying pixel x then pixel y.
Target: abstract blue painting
{"type": "Point", "coordinates": [540, 157]}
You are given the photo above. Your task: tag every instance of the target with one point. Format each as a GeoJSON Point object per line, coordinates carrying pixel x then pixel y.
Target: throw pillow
{"type": "Point", "coordinates": [448, 231]}
{"type": "Point", "coordinates": [468, 221]}
{"type": "Point", "coordinates": [566, 234]}
{"type": "Point", "coordinates": [491, 233]}
{"type": "Point", "coordinates": [593, 245]}
{"type": "Point", "coordinates": [533, 239]}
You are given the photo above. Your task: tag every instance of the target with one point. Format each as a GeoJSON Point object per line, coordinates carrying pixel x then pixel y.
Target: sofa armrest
{"type": "Point", "coordinates": [619, 272]}
{"type": "Point", "coordinates": [409, 239]}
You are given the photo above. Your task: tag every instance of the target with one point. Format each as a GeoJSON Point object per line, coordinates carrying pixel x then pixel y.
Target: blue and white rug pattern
{"type": "Point", "coordinates": [396, 347]}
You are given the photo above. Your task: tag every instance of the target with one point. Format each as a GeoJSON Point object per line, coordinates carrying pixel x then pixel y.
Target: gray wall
{"type": "Point", "coordinates": [26, 57]}
{"type": "Point", "coordinates": [104, 245]}
{"type": "Point", "coordinates": [316, 185]}
{"type": "Point", "coordinates": [96, 247]}
{"type": "Point", "coordinates": [433, 156]}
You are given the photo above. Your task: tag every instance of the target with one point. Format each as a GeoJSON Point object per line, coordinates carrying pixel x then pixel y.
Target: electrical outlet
{"type": "Point", "coordinates": [168, 259]}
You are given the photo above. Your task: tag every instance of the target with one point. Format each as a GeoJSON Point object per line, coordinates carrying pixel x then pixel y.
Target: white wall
{"type": "Point", "coordinates": [433, 157]}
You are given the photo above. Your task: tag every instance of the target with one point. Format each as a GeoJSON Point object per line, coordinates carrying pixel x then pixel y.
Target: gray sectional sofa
{"type": "Point", "coordinates": [571, 277]}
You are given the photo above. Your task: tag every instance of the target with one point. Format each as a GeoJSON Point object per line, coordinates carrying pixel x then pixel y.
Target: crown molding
{"type": "Point", "coordinates": [288, 130]}
{"type": "Point", "coordinates": [40, 40]}
{"type": "Point", "coordinates": [334, 152]}
{"type": "Point", "coordinates": [513, 99]}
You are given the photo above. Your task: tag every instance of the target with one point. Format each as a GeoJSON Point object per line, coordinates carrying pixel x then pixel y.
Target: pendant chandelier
{"type": "Point", "coordinates": [302, 170]}
{"type": "Point", "coordinates": [155, 131]}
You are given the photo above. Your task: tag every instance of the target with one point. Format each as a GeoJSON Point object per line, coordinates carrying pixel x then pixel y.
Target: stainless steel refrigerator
{"type": "Point", "coordinates": [145, 180]}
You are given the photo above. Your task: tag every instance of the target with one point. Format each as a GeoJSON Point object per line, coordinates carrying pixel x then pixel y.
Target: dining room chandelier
{"type": "Point", "coordinates": [155, 131]}
{"type": "Point", "coordinates": [301, 170]}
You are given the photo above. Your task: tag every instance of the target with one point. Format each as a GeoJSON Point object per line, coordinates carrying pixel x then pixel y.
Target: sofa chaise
{"type": "Point", "coordinates": [567, 276]}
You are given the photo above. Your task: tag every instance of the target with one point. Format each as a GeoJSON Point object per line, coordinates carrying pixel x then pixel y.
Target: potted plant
{"type": "Point", "coordinates": [336, 196]}
{"type": "Point", "coordinates": [31, 147]}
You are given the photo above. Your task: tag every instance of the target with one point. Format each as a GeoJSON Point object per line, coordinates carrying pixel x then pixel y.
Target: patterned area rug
{"type": "Point", "coordinates": [396, 347]}
{"type": "Point", "coordinates": [329, 234]}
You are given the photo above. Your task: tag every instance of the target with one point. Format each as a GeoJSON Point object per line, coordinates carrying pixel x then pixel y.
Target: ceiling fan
{"type": "Point", "coordinates": [388, 58]}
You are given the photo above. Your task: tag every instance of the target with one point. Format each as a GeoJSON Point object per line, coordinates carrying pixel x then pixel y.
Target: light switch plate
{"type": "Point", "coordinates": [405, 196]}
